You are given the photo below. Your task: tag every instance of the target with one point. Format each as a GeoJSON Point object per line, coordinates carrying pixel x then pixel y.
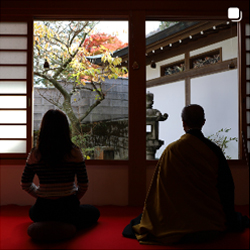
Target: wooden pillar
{"type": "Point", "coordinates": [187, 80]}
{"type": "Point", "coordinates": [242, 87]}
{"type": "Point", "coordinates": [137, 109]}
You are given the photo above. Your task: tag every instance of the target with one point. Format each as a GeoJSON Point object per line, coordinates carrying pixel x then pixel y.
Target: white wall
{"type": "Point", "coordinates": [218, 95]}
{"type": "Point", "coordinates": [170, 99]}
{"type": "Point", "coordinates": [229, 48]}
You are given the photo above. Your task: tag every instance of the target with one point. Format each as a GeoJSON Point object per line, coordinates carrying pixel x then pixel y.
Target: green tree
{"type": "Point", "coordinates": [222, 140]}
{"type": "Point", "coordinates": [59, 56]}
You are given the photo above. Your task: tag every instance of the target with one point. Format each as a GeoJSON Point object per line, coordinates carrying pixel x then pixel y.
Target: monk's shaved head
{"type": "Point", "coordinates": [193, 116]}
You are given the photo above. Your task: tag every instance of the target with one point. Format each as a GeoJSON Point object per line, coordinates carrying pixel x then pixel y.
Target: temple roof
{"type": "Point", "coordinates": [172, 37]}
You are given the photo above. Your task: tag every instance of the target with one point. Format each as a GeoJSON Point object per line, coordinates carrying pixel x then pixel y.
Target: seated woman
{"type": "Point", "coordinates": [57, 161]}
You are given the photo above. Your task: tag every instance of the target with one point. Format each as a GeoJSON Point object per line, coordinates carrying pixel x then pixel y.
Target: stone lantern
{"type": "Point", "coordinates": [153, 116]}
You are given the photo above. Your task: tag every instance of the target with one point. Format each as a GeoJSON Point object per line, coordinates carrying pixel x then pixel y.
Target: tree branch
{"type": "Point", "coordinates": [70, 58]}
{"type": "Point", "coordinates": [98, 92]}
{"type": "Point", "coordinates": [55, 83]}
{"type": "Point", "coordinates": [91, 108]}
{"type": "Point", "coordinates": [50, 100]}
{"type": "Point", "coordinates": [81, 87]}
{"type": "Point", "coordinates": [77, 32]}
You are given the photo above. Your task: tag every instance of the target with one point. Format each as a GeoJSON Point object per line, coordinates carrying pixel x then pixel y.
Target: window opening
{"type": "Point", "coordinates": [79, 68]}
{"type": "Point", "coordinates": [189, 68]}
{"type": "Point", "coordinates": [205, 59]}
{"type": "Point", "coordinates": [173, 68]}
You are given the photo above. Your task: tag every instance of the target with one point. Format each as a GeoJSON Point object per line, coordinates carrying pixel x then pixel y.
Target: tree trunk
{"type": "Point", "coordinates": [75, 122]}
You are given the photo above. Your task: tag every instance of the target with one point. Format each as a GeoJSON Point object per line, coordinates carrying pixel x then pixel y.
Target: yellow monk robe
{"type": "Point", "coordinates": [183, 197]}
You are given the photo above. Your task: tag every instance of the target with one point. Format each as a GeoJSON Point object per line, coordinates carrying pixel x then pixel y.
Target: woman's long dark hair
{"type": "Point", "coordinates": [54, 141]}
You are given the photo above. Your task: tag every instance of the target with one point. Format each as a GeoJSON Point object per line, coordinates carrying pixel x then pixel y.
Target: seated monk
{"type": "Point", "coordinates": [191, 197]}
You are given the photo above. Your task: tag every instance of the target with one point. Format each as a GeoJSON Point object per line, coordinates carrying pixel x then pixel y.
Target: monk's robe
{"type": "Point", "coordinates": [183, 197]}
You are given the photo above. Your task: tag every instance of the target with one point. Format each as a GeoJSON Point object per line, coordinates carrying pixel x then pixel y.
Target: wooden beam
{"type": "Point", "coordinates": [187, 91]}
{"type": "Point", "coordinates": [191, 73]}
{"type": "Point", "coordinates": [213, 9]}
{"type": "Point", "coordinates": [187, 80]}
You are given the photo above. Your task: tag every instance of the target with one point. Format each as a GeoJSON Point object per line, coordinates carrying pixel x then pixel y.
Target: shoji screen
{"type": "Point", "coordinates": [248, 83]}
{"type": "Point", "coordinates": [14, 101]}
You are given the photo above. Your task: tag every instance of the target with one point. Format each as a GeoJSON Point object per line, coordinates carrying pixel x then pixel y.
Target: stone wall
{"type": "Point", "coordinates": [114, 106]}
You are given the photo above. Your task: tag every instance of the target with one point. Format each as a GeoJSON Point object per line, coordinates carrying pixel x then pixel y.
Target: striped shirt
{"type": "Point", "coordinates": [57, 181]}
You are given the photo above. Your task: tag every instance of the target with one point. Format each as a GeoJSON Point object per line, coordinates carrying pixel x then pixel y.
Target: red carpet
{"type": "Point", "coordinates": [107, 234]}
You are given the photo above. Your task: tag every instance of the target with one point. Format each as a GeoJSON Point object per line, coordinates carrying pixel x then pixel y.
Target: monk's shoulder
{"type": "Point", "coordinates": [181, 141]}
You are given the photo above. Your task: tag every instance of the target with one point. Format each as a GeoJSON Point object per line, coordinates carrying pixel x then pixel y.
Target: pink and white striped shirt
{"type": "Point", "coordinates": [58, 180]}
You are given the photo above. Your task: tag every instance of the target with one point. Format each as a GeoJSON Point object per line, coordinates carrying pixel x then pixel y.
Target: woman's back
{"type": "Point", "coordinates": [55, 180]}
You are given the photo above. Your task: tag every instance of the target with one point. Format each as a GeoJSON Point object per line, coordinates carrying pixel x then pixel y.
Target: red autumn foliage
{"type": "Point", "coordinates": [94, 42]}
